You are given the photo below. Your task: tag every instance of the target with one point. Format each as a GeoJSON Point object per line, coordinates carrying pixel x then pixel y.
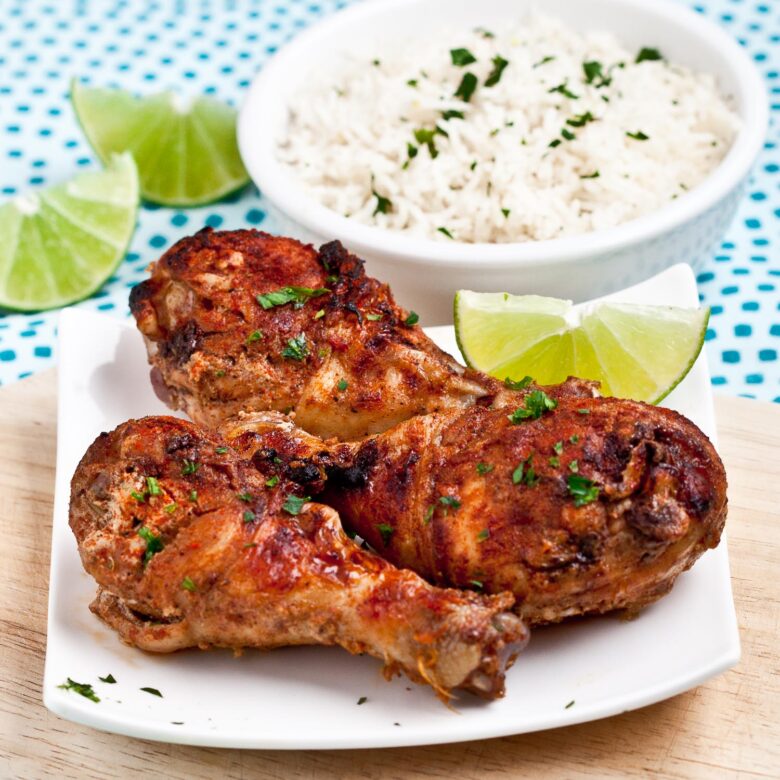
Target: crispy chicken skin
{"type": "Point", "coordinates": [359, 369]}
{"type": "Point", "coordinates": [199, 311]}
{"type": "Point", "coordinates": [442, 495]}
{"type": "Point", "coordinates": [190, 547]}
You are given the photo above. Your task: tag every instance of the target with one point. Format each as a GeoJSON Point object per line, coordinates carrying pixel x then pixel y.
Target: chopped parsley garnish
{"type": "Point", "coordinates": [567, 134]}
{"type": "Point", "coordinates": [411, 83]}
{"type": "Point", "coordinates": [219, 373]}
{"type": "Point", "coordinates": [499, 63]}
{"type": "Point", "coordinates": [449, 502]}
{"type": "Point", "coordinates": [138, 496]}
{"type": "Point", "coordinates": [153, 544]}
{"type": "Point", "coordinates": [593, 175]}
{"type": "Point", "coordinates": [473, 165]}
{"type": "Point", "coordinates": [221, 450]}
{"type": "Point", "coordinates": [483, 535]}
{"type": "Point", "coordinates": [109, 678]}
{"type": "Point", "coordinates": [169, 508]}
{"type": "Point", "coordinates": [342, 385]}
{"type": "Point", "coordinates": [189, 467]}
{"type": "Point", "coordinates": [543, 61]}
{"type": "Point", "coordinates": [648, 54]}
{"type": "Point", "coordinates": [447, 115]}
{"type": "Point", "coordinates": [476, 584]}
{"type": "Point", "coordinates": [272, 481]}
{"type": "Point", "coordinates": [255, 335]}
{"type": "Point", "coordinates": [594, 74]}
{"type": "Point", "coordinates": [320, 314]}
{"type": "Point", "coordinates": [249, 516]}
{"type": "Point", "coordinates": [462, 57]}
{"type": "Point", "coordinates": [383, 205]}
{"type": "Point", "coordinates": [525, 474]}
{"type": "Point", "coordinates": [83, 689]}
{"type": "Point", "coordinates": [294, 504]}
{"type": "Point", "coordinates": [193, 495]}
{"type": "Point", "coordinates": [153, 487]}
{"type": "Point", "coordinates": [189, 585]}
{"type": "Point", "coordinates": [506, 212]}
{"type": "Point", "coordinates": [297, 348]}
{"type": "Point", "coordinates": [554, 461]}
{"type": "Point", "coordinates": [483, 32]}
{"type": "Point", "coordinates": [466, 87]}
{"type": "Point", "coordinates": [153, 691]}
{"type": "Point", "coordinates": [583, 489]}
{"type": "Point", "coordinates": [574, 466]}
{"type": "Point", "coordinates": [583, 411]}
{"type": "Point", "coordinates": [555, 142]}
{"type": "Point", "coordinates": [563, 89]}
{"type": "Point", "coordinates": [444, 231]}
{"type": "Point", "coordinates": [373, 317]}
{"type": "Point", "coordinates": [412, 319]}
{"type": "Point", "coordinates": [638, 136]}
{"type": "Point", "coordinates": [580, 120]}
{"type": "Point", "coordinates": [429, 514]}
{"type": "Point", "coordinates": [484, 468]}
{"type": "Point", "coordinates": [411, 150]}
{"type": "Point", "coordinates": [362, 700]}
{"type": "Point", "coordinates": [426, 137]}
{"type": "Point", "coordinates": [519, 385]}
{"type": "Point", "coordinates": [536, 403]}
{"type": "Point", "coordinates": [296, 295]}
{"type": "Point", "coordinates": [244, 497]}
{"type": "Point", "coordinates": [574, 438]}
{"type": "Point", "coordinates": [385, 531]}
{"type": "Point", "coordinates": [570, 704]}
{"type": "Point", "coordinates": [558, 447]}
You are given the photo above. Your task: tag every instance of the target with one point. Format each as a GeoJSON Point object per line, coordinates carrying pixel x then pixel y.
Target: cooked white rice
{"type": "Point", "coordinates": [495, 176]}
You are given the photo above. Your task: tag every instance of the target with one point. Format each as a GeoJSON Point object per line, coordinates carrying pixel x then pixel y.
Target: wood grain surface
{"type": "Point", "coordinates": [729, 727]}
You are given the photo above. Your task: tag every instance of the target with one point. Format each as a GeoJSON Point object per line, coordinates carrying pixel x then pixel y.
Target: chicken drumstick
{"type": "Point", "coordinates": [191, 546]}
{"type": "Point", "coordinates": [241, 321]}
{"type": "Point", "coordinates": [591, 506]}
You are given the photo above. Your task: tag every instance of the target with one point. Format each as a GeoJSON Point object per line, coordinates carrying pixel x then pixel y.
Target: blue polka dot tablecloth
{"type": "Point", "coordinates": [216, 48]}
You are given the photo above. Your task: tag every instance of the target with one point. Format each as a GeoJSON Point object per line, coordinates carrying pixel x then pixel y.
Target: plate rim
{"type": "Point", "coordinates": [72, 322]}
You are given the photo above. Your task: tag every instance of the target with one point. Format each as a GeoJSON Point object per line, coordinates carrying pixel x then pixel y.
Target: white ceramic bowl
{"type": "Point", "coordinates": [423, 273]}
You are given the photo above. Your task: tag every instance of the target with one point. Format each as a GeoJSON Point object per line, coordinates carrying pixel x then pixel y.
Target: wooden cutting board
{"type": "Point", "coordinates": [728, 727]}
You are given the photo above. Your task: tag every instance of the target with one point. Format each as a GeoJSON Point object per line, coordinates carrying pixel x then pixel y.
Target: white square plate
{"type": "Point", "coordinates": [307, 697]}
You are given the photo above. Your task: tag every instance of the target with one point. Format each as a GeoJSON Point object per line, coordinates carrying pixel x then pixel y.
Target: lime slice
{"type": "Point", "coordinates": [186, 153]}
{"type": "Point", "coordinates": [635, 351]}
{"type": "Point", "coordinates": [60, 244]}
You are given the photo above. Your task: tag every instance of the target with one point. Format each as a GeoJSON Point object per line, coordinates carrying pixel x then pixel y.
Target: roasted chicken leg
{"type": "Point", "coordinates": [191, 546]}
{"type": "Point", "coordinates": [594, 505]}
{"type": "Point", "coordinates": [242, 321]}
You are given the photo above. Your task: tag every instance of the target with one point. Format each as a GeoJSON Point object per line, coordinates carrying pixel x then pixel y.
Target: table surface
{"type": "Point", "coordinates": [729, 725]}
{"type": "Point", "coordinates": [212, 47]}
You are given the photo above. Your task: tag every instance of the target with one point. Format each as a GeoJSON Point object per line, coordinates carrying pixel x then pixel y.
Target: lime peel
{"type": "Point", "coordinates": [636, 351]}
{"type": "Point", "coordinates": [185, 148]}
{"type": "Point", "coordinates": [60, 244]}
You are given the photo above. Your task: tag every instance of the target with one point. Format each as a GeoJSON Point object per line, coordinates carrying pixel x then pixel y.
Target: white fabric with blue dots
{"type": "Point", "coordinates": [215, 48]}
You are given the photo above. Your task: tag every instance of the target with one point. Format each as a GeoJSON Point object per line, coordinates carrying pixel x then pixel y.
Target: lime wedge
{"type": "Point", "coordinates": [635, 351]}
{"type": "Point", "coordinates": [59, 244]}
{"type": "Point", "coordinates": [186, 152]}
